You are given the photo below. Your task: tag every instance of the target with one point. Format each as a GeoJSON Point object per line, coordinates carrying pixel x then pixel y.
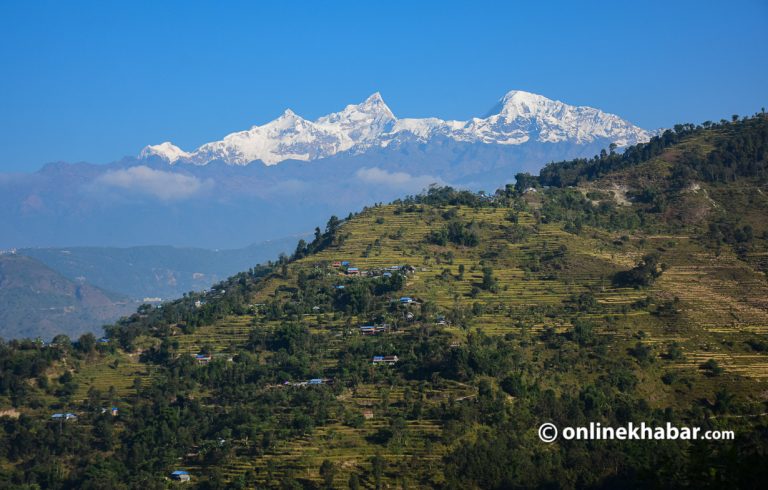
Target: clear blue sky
{"type": "Point", "coordinates": [94, 81]}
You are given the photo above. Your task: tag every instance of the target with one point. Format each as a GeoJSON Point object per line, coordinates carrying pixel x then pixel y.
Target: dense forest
{"type": "Point", "coordinates": [422, 343]}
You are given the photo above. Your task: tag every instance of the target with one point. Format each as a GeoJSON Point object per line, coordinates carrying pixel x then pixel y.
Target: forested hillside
{"type": "Point", "coordinates": [423, 342]}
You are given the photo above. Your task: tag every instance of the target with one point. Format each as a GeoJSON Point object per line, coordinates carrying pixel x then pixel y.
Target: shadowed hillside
{"type": "Point", "coordinates": [38, 302]}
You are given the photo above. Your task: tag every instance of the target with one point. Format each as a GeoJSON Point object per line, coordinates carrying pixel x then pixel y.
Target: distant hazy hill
{"type": "Point", "coordinates": [155, 271]}
{"type": "Point", "coordinates": [37, 301]}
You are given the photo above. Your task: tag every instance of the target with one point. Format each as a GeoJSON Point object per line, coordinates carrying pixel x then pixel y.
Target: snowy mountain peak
{"type": "Point", "coordinates": [520, 103]}
{"type": "Point", "coordinates": [375, 97]}
{"type": "Point", "coordinates": [166, 150]}
{"type": "Point", "coordinates": [518, 118]}
{"type": "Point", "coordinates": [375, 103]}
{"type": "Point", "coordinates": [371, 108]}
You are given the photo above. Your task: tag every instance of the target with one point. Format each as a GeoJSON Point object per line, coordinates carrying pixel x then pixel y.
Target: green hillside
{"type": "Point", "coordinates": [625, 288]}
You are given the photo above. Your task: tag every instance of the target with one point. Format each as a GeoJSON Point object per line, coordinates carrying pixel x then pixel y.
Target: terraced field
{"type": "Point", "coordinates": [118, 371]}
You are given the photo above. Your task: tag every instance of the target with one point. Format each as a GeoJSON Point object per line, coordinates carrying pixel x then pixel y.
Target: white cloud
{"type": "Point", "coordinates": [400, 180]}
{"type": "Point", "coordinates": [166, 186]}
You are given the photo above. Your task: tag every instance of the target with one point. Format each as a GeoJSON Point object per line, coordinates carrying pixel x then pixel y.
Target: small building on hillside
{"type": "Point", "coordinates": [353, 271]}
{"type": "Point", "coordinates": [64, 416]}
{"type": "Point", "coordinates": [373, 329]}
{"type": "Point", "coordinates": [336, 264]}
{"type": "Point", "coordinates": [180, 475]}
{"type": "Point", "coordinates": [315, 381]}
{"type": "Point", "coordinates": [388, 360]}
{"type": "Point", "coordinates": [203, 359]}
{"type": "Point", "coordinates": [406, 300]}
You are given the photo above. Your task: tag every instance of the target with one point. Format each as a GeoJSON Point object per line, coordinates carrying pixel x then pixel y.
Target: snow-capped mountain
{"type": "Point", "coordinates": [518, 118]}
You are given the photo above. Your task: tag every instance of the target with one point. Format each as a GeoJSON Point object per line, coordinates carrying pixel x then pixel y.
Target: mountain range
{"type": "Point", "coordinates": [518, 118]}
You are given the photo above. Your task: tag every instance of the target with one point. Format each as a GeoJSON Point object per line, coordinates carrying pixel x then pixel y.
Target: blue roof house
{"type": "Point", "coordinates": [180, 475]}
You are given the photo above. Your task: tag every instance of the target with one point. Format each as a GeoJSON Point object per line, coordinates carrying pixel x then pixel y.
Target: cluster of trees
{"type": "Point", "coordinates": [456, 232]}
{"type": "Point", "coordinates": [322, 240]}
{"type": "Point", "coordinates": [576, 211]}
{"type": "Point", "coordinates": [741, 150]}
{"type": "Point", "coordinates": [448, 196]}
{"type": "Point", "coordinates": [21, 361]}
{"type": "Point", "coordinates": [643, 274]}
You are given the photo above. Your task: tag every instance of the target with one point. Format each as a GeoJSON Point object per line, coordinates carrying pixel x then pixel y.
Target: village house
{"type": "Point", "coordinates": [113, 411]}
{"type": "Point", "coordinates": [311, 382]}
{"type": "Point", "coordinates": [373, 329]}
{"type": "Point", "coordinates": [203, 359]}
{"type": "Point", "coordinates": [388, 360]}
{"type": "Point", "coordinates": [64, 416]}
{"type": "Point", "coordinates": [180, 475]}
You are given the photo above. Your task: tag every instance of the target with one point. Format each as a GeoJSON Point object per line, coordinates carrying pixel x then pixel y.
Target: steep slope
{"type": "Point", "coordinates": [38, 302]}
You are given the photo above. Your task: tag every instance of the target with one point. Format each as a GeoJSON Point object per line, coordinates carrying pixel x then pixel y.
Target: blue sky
{"type": "Point", "coordinates": [94, 81]}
